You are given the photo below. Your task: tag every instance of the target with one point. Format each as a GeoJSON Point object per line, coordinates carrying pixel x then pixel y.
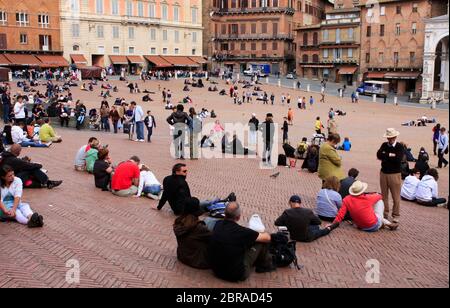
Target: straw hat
{"type": "Point", "coordinates": [358, 188]}
{"type": "Point", "coordinates": [391, 133]}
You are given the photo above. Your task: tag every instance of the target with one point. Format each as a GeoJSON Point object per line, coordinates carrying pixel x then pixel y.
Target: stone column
{"type": "Point", "coordinates": [428, 75]}
{"type": "Point", "coordinates": [444, 69]}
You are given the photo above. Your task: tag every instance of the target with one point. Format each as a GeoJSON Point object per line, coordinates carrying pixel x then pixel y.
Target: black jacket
{"type": "Point", "coordinates": [268, 131]}
{"type": "Point", "coordinates": [176, 191]}
{"type": "Point", "coordinates": [298, 221]}
{"type": "Point", "coordinates": [391, 165]}
{"type": "Point", "coordinates": [18, 164]}
{"type": "Point", "coordinates": [254, 124]}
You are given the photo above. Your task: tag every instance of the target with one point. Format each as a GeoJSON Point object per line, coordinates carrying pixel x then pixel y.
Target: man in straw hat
{"type": "Point", "coordinates": [391, 154]}
{"type": "Point", "coordinates": [366, 209]}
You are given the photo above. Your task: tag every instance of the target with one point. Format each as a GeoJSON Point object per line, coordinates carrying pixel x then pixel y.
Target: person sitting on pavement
{"type": "Point", "coordinates": [92, 156]}
{"type": "Point", "coordinates": [192, 236]}
{"type": "Point", "coordinates": [148, 184]}
{"type": "Point", "coordinates": [47, 133]}
{"type": "Point", "coordinates": [125, 181]}
{"type": "Point", "coordinates": [427, 193]}
{"type": "Point", "coordinates": [11, 205]}
{"type": "Point", "coordinates": [346, 145]}
{"type": "Point", "coordinates": [30, 173]}
{"type": "Point", "coordinates": [348, 182]}
{"type": "Point", "coordinates": [208, 141]}
{"type": "Point", "coordinates": [175, 189]}
{"type": "Point", "coordinates": [19, 136]}
{"type": "Point", "coordinates": [311, 162]}
{"type": "Point", "coordinates": [302, 148]}
{"type": "Point", "coordinates": [409, 187]}
{"type": "Point", "coordinates": [329, 201]}
{"type": "Point", "coordinates": [303, 225]}
{"type": "Point", "coordinates": [80, 158]}
{"type": "Point", "coordinates": [234, 250]}
{"type": "Point", "coordinates": [103, 169]}
{"type": "Point", "coordinates": [366, 209]}
{"type": "Point", "coordinates": [422, 162]}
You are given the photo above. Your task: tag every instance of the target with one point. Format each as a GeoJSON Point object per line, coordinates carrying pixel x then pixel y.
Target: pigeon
{"type": "Point", "coordinates": [274, 176]}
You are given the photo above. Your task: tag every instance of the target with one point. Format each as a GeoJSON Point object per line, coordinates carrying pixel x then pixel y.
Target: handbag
{"type": "Point", "coordinates": [255, 223]}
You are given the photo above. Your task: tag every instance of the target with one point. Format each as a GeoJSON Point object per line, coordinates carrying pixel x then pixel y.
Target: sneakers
{"type": "Point", "coordinates": [53, 184]}
{"type": "Point", "coordinates": [392, 226]}
{"type": "Point", "coordinates": [36, 221]}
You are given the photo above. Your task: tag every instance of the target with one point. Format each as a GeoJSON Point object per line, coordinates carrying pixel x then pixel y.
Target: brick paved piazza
{"type": "Point", "coordinates": [125, 243]}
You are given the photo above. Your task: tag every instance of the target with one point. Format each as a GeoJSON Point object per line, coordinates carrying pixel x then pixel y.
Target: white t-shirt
{"type": "Point", "coordinates": [80, 158]}
{"type": "Point", "coordinates": [17, 134]}
{"type": "Point", "coordinates": [13, 191]}
{"type": "Point", "coordinates": [19, 110]}
{"type": "Point", "coordinates": [409, 188]}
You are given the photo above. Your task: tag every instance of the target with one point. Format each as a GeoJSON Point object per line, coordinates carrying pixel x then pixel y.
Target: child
{"type": "Point", "coordinates": [311, 101]}
{"type": "Point", "coordinates": [346, 145]}
{"type": "Point", "coordinates": [285, 129]}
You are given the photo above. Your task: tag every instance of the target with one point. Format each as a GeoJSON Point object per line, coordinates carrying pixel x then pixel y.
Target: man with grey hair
{"type": "Point", "coordinates": [234, 249]}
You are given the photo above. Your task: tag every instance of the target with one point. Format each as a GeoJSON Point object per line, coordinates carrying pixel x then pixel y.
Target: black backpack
{"type": "Point", "coordinates": [283, 251]}
{"type": "Point", "coordinates": [282, 160]}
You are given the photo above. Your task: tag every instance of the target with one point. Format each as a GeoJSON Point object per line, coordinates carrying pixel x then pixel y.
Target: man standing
{"type": "Point", "coordinates": [6, 101]}
{"type": "Point", "coordinates": [391, 154]}
{"type": "Point", "coordinates": [253, 125]}
{"type": "Point", "coordinates": [138, 117]}
{"type": "Point", "coordinates": [442, 147]}
{"type": "Point", "coordinates": [268, 131]}
{"type": "Point", "coordinates": [180, 120]}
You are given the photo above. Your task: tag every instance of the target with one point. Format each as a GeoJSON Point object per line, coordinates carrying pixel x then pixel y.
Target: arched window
{"type": "Point", "coordinates": [305, 59]}
{"type": "Point", "coordinates": [315, 58]}
{"type": "Point", "coordinates": [76, 47]}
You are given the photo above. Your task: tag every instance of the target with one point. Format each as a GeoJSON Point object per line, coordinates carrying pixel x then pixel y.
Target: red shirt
{"type": "Point", "coordinates": [123, 176]}
{"type": "Point", "coordinates": [360, 209]}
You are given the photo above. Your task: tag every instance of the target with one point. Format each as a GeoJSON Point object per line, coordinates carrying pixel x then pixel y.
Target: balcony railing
{"type": "Point", "coordinates": [339, 61]}
{"type": "Point", "coordinates": [231, 11]}
{"type": "Point", "coordinates": [126, 19]}
{"type": "Point", "coordinates": [340, 21]}
{"type": "Point", "coordinates": [254, 37]}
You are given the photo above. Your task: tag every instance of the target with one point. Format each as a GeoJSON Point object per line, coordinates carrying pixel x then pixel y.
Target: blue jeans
{"type": "Point", "coordinates": [6, 110]}
{"type": "Point", "coordinates": [152, 189]}
{"type": "Point", "coordinates": [32, 144]}
{"type": "Point", "coordinates": [140, 130]}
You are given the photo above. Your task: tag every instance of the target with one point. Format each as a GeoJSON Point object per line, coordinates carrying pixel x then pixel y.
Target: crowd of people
{"type": "Point", "coordinates": [218, 241]}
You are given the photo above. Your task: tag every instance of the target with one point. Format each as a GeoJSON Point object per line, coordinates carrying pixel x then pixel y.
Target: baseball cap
{"type": "Point", "coordinates": [295, 199]}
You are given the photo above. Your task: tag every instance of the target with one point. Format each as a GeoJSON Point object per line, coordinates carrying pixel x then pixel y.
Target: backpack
{"type": "Point", "coordinates": [282, 160]}
{"type": "Point", "coordinates": [217, 210]}
{"type": "Point", "coordinates": [283, 251]}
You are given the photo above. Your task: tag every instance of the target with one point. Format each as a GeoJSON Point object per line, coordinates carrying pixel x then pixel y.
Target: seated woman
{"type": "Point", "coordinates": [329, 201]}
{"type": "Point", "coordinates": [168, 106]}
{"type": "Point", "coordinates": [147, 98]}
{"type": "Point", "coordinates": [192, 236]}
{"type": "Point", "coordinates": [187, 100]}
{"type": "Point", "coordinates": [200, 84]}
{"type": "Point", "coordinates": [11, 205]}
{"type": "Point", "coordinates": [422, 162]}
{"type": "Point", "coordinates": [186, 88]}
{"type": "Point", "coordinates": [213, 114]}
{"type": "Point", "coordinates": [92, 156]}
{"type": "Point", "coordinates": [311, 161]}
{"type": "Point", "coordinates": [427, 191]}
{"type": "Point", "coordinates": [103, 170]}
{"type": "Point", "coordinates": [148, 184]}
{"type": "Point", "coordinates": [223, 92]}
{"type": "Point", "coordinates": [302, 148]}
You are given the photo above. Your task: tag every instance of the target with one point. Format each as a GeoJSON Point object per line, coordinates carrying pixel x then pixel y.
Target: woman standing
{"type": "Point", "coordinates": [115, 117]}
{"type": "Point", "coordinates": [330, 163]}
{"type": "Point", "coordinates": [104, 114]}
{"type": "Point", "coordinates": [436, 131]}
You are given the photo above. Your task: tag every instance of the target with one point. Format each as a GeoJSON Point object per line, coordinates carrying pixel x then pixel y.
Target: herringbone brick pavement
{"type": "Point", "coordinates": [125, 243]}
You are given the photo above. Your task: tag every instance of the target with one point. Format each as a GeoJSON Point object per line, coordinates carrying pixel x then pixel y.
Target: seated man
{"type": "Point", "coordinates": [366, 209]}
{"type": "Point", "coordinates": [47, 133]}
{"type": "Point", "coordinates": [223, 92]}
{"type": "Point", "coordinates": [18, 136]}
{"type": "Point", "coordinates": [409, 187]}
{"type": "Point", "coordinates": [125, 180]}
{"type": "Point", "coordinates": [192, 236]}
{"type": "Point", "coordinates": [175, 189]}
{"type": "Point", "coordinates": [208, 141]}
{"type": "Point", "coordinates": [80, 158]}
{"type": "Point", "coordinates": [234, 250]}
{"type": "Point", "coordinates": [302, 224]}
{"type": "Point", "coordinates": [30, 173]}
{"type": "Point", "coordinates": [348, 182]}
{"type": "Point", "coordinates": [427, 190]}
{"type": "Point", "coordinates": [186, 88]}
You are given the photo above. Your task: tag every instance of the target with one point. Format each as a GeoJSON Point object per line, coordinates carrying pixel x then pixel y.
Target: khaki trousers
{"type": "Point", "coordinates": [391, 183]}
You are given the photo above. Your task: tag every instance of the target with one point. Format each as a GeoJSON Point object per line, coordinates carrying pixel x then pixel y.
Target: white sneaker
{"type": "Point", "coordinates": [136, 140]}
{"type": "Point", "coordinates": [141, 140]}
{"type": "Point", "coordinates": [395, 220]}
